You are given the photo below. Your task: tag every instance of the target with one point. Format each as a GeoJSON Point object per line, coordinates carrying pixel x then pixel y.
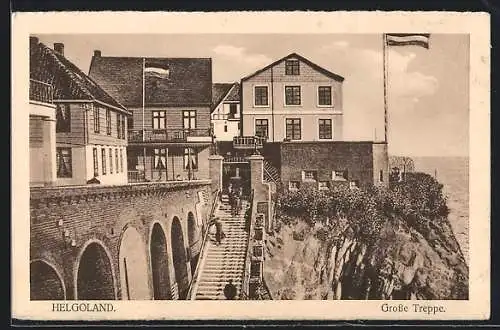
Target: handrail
{"type": "Point", "coordinates": [246, 274]}
{"type": "Point", "coordinates": [194, 278]}
{"type": "Point", "coordinates": [166, 134]}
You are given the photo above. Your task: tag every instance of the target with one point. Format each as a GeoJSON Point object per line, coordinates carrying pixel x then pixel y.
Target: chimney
{"type": "Point", "coordinates": [59, 47]}
{"type": "Point", "coordinates": [33, 41]}
{"type": "Point", "coordinates": [97, 53]}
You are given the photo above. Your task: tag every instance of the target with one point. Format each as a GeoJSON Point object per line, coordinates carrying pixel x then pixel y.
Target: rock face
{"type": "Point", "coordinates": [328, 259]}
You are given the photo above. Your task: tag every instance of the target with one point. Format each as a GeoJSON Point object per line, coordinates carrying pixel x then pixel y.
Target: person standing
{"type": "Point", "coordinates": [230, 290]}
{"type": "Point", "coordinates": [219, 233]}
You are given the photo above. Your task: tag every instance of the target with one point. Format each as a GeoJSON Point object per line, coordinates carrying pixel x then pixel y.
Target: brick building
{"type": "Point", "coordinates": [90, 125]}
{"type": "Point", "coordinates": [170, 99]}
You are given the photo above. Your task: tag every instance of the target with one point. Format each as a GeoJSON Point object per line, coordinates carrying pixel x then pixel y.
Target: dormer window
{"type": "Point", "coordinates": [292, 68]}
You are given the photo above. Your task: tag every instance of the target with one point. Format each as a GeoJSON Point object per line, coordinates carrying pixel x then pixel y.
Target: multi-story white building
{"type": "Point", "coordinates": [293, 99]}
{"type": "Point", "coordinates": [225, 116]}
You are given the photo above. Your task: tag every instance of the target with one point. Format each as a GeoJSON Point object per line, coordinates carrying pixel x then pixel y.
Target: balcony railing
{"type": "Point", "coordinates": [248, 142]}
{"type": "Point", "coordinates": [167, 135]}
{"type": "Point", "coordinates": [235, 159]}
{"type": "Point", "coordinates": [41, 91]}
{"type": "Point", "coordinates": [225, 116]}
{"type": "Point", "coordinates": [136, 176]}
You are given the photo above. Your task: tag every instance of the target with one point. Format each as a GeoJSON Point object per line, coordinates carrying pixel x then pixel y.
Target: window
{"type": "Point", "coordinates": [293, 185]}
{"type": "Point", "coordinates": [260, 93]}
{"type": "Point", "coordinates": [130, 123]}
{"type": "Point", "coordinates": [261, 128]}
{"type": "Point", "coordinates": [97, 122]}
{"type": "Point", "coordinates": [159, 120]}
{"type": "Point", "coordinates": [121, 159]}
{"type": "Point", "coordinates": [116, 161]}
{"type": "Point", "coordinates": [63, 160]}
{"type": "Point", "coordinates": [108, 121]}
{"type": "Point", "coordinates": [232, 110]}
{"type": "Point", "coordinates": [339, 175]}
{"type": "Point", "coordinates": [96, 164]}
{"type": "Point", "coordinates": [190, 159]}
{"type": "Point", "coordinates": [225, 128]}
{"type": "Point", "coordinates": [325, 128]}
{"type": "Point", "coordinates": [381, 176]}
{"type": "Point", "coordinates": [103, 160]}
{"type": "Point", "coordinates": [323, 185]}
{"type": "Point", "coordinates": [309, 176]}
{"type": "Point", "coordinates": [63, 118]}
{"type": "Point", "coordinates": [118, 125]}
{"type": "Point", "coordinates": [160, 159]}
{"type": "Point", "coordinates": [292, 95]}
{"type": "Point", "coordinates": [325, 95]}
{"type": "Point", "coordinates": [189, 119]}
{"type": "Point", "coordinates": [293, 130]}
{"type": "Point", "coordinates": [110, 161]}
{"type": "Point", "coordinates": [292, 67]}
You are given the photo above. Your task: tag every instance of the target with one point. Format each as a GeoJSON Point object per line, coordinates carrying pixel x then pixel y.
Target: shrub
{"type": "Point", "coordinates": [418, 200]}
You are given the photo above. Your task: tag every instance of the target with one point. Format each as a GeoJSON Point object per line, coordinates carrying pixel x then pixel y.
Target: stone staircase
{"type": "Point", "coordinates": [226, 261]}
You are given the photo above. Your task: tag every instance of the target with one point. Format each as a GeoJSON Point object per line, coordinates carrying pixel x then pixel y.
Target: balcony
{"type": "Point", "coordinates": [248, 142]}
{"type": "Point", "coordinates": [169, 135]}
{"type": "Point", "coordinates": [41, 91]}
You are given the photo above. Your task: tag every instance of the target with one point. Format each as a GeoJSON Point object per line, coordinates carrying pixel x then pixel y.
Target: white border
{"type": "Point", "coordinates": [475, 24]}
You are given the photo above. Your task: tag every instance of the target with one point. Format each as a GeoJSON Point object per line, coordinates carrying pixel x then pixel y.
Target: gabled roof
{"type": "Point", "coordinates": [234, 94]}
{"type": "Point", "coordinates": [225, 92]}
{"type": "Point", "coordinates": [219, 92]}
{"type": "Point", "coordinates": [69, 82]}
{"type": "Point", "coordinates": [303, 59]}
{"type": "Point", "coordinates": [188, 83]}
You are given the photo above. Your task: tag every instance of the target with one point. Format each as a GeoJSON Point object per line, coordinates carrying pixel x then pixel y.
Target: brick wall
{"type": "Point", "coordinates": [66, 220]}
{"type": "Point", "coordinates": [359, 159]}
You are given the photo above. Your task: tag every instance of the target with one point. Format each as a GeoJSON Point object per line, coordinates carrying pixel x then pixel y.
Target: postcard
{"type": "Point", "coordinates": [306, 165]}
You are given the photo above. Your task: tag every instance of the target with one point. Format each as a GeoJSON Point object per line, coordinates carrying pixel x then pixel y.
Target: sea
{"type": "Point", "coordinates": [453, 173]}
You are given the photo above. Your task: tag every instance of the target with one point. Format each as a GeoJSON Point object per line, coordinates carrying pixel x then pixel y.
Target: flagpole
{"type": "Point", "coordinates": [384, 50]}
{"type": "Point", "coordinates": [143, 124]}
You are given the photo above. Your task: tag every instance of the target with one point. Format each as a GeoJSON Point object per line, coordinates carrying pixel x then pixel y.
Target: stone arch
{"type": "Point", "coordinates": [179, 258]}
{"type": "Point", "coordinates": [133, 266]}
{"type": "Point", "coordinates": [159, 263]}
{"type": "Point", "coordinates": [45, 281]}
{"type": "Point", "coordinates": [95, 277]}
{"type": "Point", "coordinates": [193, 240]}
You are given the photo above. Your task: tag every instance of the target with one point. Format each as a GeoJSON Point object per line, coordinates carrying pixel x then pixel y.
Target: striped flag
{"type": "Point", "coordinates": [406, 39]}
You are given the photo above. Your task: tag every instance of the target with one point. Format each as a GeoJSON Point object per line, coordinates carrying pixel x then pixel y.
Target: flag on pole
{"type": "Point", "coordinates": [156, 71]}
{"type": "Point", "coordinates": [408, 39]}
{"type": "Point", "coordinates": [398, 39]}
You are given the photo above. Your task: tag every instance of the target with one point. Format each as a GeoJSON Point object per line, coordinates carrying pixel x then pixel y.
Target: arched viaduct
{"type": "Point", "coordinates": [136, 241]}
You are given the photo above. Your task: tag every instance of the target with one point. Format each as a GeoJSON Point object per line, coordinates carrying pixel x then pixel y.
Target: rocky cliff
{"type": "Point", "coordinates": [352, 244]}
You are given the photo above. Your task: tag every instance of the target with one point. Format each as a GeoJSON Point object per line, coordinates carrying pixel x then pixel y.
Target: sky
{"type": "Point", "coordinates": [427, 89]}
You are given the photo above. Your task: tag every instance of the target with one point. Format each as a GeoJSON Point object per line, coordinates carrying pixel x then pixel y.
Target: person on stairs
{"type": "Point", "coordinates": [230, 290]}
{"type": "Point", "coordinates": [219, 233]}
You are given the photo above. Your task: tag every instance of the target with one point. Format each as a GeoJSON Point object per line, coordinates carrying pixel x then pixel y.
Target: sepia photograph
{"type": "Point", "coordinates": [249, 166]}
